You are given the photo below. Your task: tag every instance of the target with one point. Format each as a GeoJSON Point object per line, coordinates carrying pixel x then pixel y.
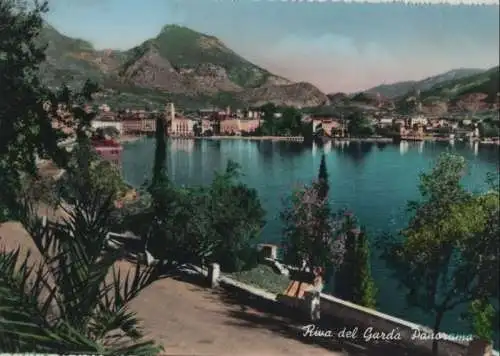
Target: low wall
{"type": "Point", "coordinates": [370, 321]}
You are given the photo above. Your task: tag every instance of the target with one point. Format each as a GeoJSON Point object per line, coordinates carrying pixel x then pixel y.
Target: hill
{"type": "Point", "coordinates": [399, 89]}
{"type": "Point", "coordinates": [72, 61]}
{"type": "Point", "coordinates": [178, 63]}
{"type": "Point", "coordinates": [474, 93]}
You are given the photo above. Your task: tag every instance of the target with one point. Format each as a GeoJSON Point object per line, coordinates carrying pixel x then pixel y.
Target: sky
{"type": "Point", "coordinates": [343, 47]}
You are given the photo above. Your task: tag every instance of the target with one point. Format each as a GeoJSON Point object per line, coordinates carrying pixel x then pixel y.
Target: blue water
{"type": "Point", "coordinates": [375, 181]}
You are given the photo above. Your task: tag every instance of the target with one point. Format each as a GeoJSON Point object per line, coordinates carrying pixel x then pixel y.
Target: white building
{"type": "Point", "coordinates": [385, 121]}
{"type": "Point", "coordinates": [418, 120]}
{"type": "Point", "coordinates": [181, 126]}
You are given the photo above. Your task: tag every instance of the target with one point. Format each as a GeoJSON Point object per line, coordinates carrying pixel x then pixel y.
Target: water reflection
{"type": "Point", "coordinates": [403, 147]}
{"type": "Point", "coordinates": [290, 149]}
{"type": "Point", "coordinates": [357, 151]}
{"type": "Point", "coordinates": [266, 149]}
{"type": "Point", "coordinates": [475, 147]}
{"type": "Point", "coordinates": [381, 145]}
{"type": "Point", "coordinates": [182, 144]}
{"type": "Point", "coordinates": [197, 159]}
{"type": "Point", "coordinates": [327, 148]}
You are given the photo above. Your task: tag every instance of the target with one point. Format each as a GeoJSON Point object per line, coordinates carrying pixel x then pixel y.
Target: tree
{"type": "Point", "coordinates": [312, 235]}
{"type": "Point", "coordinates": [488, 130]}
{"type": "Point", "coordinates": [482, 314]}
{"type": "Point", "coordinates": [359, 125]}
{"type": "Point", "coordinates": [323, 179]}
{"type": "Point", "coordinates": [236, 219]}
{"type": "Point", "coordinates": [292, 120]}
{"type": "Point", "coordinates": [344, 286]}
{"type": "Point", "coordinates": [209, 133]}
{"type": "Point", "coordinates": [365, 290]}
{"type": "Point", "coordinates": [197, 129]}
{"type": "Point", "coordinates": [353, 280]}
{"type": "Point", "coordinates": [199, 225]}
{"type": "Point", "coordinates": [26, 129]}
{"type": "Point", "coordinates": [160, 160]}
{"type": "Point", "coordinates": [447, 256]}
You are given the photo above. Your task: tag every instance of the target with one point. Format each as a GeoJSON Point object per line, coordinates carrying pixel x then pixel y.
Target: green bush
{"type": "Point", "coordinates": [482, 314]}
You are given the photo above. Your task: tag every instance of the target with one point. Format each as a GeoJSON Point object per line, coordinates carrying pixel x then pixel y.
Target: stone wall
{"type": "Point", "coordinates": [364, 318]}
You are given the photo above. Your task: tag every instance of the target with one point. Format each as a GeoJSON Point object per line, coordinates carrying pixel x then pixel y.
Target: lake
{"type": "Point", "coordinates": [373, 180]}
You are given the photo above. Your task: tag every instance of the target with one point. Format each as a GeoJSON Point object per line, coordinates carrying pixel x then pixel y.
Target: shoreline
{"type": "Point", "coordinates": [130, 139]}
{"type": "Point", "coordinates": [364, 139]}
{"type": "Point", "coordinates": [252, 138]}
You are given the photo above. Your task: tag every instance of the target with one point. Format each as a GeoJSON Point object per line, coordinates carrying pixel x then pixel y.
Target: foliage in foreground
{"type": "Point", "coordinates": [449, 253]}
{"type": "Point", "coordinates": [482, 314]}
{"type": "Point", "coordinates": [87, 168]}
{"type": "Point", "coordinates": [26, 128]}
{"type": "Point", "coordinates": [217, 223]}
{"type": "Point", "coordinates": [353, 279]}
{"type": "Point", "coordinates": [73, 297]}
{"type": "Point", "coordinates": [312, 234]}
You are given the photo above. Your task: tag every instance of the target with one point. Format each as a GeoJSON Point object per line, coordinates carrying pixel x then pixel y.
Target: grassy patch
{"type": "Point", "coordinates": [263, 277]}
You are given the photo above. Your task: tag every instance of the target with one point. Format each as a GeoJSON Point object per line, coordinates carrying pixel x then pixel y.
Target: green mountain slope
{"type": "Point", "coordinates": [72, 61]}
{"type": "Point", "coordinates": [188, 49]}
{"type": "Point", "coordinates": [474, 93]}
{"type": "Point", "coordinates": [486, 82]}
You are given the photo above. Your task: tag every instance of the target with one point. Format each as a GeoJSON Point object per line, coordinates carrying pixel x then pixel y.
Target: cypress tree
{"type": "Point", "coordinates": [353, 280]}
{"type": "Point", "coordinates": [343, 276]}
{"type": "Point", "coordinates": [159, 168]}
{"type": "Point", "coordinates": [323, 178]}
{"type": "Point", "coordinates": [364, 286]}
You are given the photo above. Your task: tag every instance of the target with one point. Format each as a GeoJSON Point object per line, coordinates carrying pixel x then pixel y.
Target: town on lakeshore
{"type": "Point", "coordinates": [127, 125]}
{"type": "Point", "coordinates": [249, 178]}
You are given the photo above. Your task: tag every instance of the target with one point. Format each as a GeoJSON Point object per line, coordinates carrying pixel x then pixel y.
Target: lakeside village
{"type": "Point", "coordinates": [255, 124]}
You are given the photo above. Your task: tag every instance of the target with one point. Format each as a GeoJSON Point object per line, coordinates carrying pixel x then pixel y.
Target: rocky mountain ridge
{"type": "Point", "coordinates": [179, 61]}
{"type": "Point", "coordinates": [399, 89]}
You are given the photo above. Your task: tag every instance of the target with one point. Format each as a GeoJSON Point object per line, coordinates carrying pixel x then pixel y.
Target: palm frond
{"type": "Point", "coordinates": [75, 298]}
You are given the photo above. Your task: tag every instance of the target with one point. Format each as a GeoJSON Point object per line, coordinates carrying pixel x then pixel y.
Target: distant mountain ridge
{"type": "Point", "coordinates": [399, 89]}
{"type": "Point", "coordinates": [177, 62]}
{"type": "Point", "coordinates": [454, 92]}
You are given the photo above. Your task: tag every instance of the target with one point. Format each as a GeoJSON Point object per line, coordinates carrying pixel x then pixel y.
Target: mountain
{"type": "Point", "coordinates": [178, 63]}
{"type": "Point", "coordinates": [478, 92]}
{"type": "Point", "coordinates": [72, 61]}
{"type": "Point", "coordinates": [485, 82]}
{"type": "Point", "coordinates": [399, 89]}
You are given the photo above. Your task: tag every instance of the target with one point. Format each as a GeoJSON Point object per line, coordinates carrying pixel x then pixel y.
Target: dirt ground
{"type": "Point", "coordinates": [188, 319]}
{"type": "Point", "coordinates": [191, 320]}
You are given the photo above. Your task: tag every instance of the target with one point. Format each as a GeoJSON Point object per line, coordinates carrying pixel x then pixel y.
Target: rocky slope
{"type": "Point", "coordinates": [296, 94]}
{"type": "Point", "coordinates": [178, 61]}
